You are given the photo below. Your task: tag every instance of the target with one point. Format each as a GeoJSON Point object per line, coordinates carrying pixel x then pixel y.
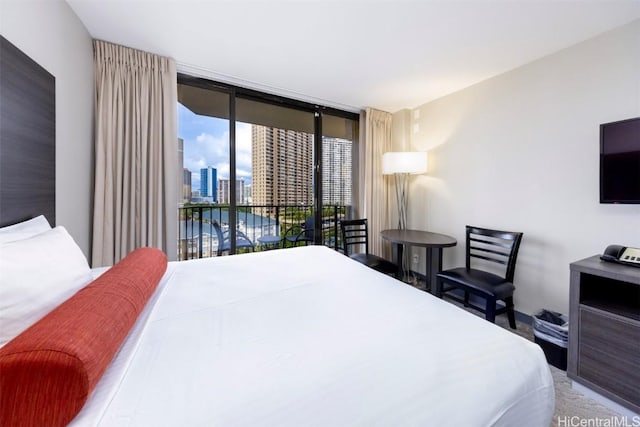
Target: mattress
{"type": "Point", "coordinates": [307, 336]}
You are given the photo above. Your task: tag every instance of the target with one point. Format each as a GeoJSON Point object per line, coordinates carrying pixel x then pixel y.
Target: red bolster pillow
{"type": "Point", "coordinates": [48, 372]}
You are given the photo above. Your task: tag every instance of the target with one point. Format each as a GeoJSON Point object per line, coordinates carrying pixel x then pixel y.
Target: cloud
{"type": "Point", "coordinates": [223, 170]}
{"type": "Point", "coordinates": [243, 174]}
{"type": "Point", "coordinates": [207, 149]}
{"type": "Point", "coordinates": [243, 150]}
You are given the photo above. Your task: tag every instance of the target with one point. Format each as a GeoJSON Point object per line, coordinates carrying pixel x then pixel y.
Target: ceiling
{"type": "Point", "coordinates": [352, 54]}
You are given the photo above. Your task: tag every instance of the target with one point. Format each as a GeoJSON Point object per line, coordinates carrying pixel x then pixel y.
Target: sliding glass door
{"type": "Point", "coordinates": [260, 172]}
{"type": "Point", "coordinates": [204, 141]}
{"type": "Point", "coordinates": [281, 165]}
{"type": "Point", "coordinates": [337, 166]}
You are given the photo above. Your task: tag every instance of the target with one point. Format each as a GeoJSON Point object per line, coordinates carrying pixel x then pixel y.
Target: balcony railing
{"type": "Point", "coordinates": [198, 238]}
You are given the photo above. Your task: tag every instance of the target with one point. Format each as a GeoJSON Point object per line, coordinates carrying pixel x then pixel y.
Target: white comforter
{"type": "Point", "coordinates": [308, 337]}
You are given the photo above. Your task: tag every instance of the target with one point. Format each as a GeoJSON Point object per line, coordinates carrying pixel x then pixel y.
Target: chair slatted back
{"type": "Point", "coordinates": [500, 247]}
{"type": "Point", "coordinates": [354, 233]}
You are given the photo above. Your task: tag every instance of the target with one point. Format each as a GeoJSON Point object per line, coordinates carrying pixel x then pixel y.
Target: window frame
{"type": "Point", "coordinates": [235, 92]}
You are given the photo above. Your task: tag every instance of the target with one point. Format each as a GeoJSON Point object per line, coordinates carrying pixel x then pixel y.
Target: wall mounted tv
{"type": "Point", "coordinates": [620, 161]}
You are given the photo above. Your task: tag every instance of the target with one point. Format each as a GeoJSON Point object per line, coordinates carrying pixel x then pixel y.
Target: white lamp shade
{"type": "Point", "coordinates": [412, 162]}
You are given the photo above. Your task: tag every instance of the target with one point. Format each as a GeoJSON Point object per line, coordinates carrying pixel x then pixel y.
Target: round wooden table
{"type": "Point", "coordinates": [433, 242]}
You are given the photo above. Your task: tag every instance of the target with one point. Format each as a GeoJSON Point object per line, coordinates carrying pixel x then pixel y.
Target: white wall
{"type": "Point", "coordinates": [51, 34]}
{"type": "Point", "coordinates": [520, 152]}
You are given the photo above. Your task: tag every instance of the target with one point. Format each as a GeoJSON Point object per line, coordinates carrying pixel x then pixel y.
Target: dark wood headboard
{"type": "Point", "coordinates": [27, 138]}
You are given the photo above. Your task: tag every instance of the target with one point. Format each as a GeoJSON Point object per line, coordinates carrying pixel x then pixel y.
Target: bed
{"type": "Point", "coordinates": [293, 337]}
{"type": "Point", "coordinates": [306, 336]}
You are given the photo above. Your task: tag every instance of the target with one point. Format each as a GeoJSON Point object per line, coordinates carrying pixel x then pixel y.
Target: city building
{"type": "Point", "coordinates": [248, 194]}
{"type": "Point", "coordinates": [282, 166]}
{"type": "Point", "coordinates": [337, 181]}
{"type": "Point", "coordinates": [224, 191]}
{"type": "Point", "coordinates": [186, 185]}
{"type": "Point", "coordinates": [208, 184]}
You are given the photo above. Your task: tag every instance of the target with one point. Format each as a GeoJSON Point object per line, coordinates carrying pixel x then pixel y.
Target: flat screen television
{"type": "Point", "coordinates": [620, 161]}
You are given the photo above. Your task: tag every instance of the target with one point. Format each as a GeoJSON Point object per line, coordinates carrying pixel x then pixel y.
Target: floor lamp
{"type": "Point", "coordinates": [401, 165]}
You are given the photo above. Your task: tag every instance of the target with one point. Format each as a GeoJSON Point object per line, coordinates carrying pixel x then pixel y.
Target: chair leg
{"type": "Point", "coordinates": [490, 310]}
{"type": "Point", "coordinates": [510, 312]}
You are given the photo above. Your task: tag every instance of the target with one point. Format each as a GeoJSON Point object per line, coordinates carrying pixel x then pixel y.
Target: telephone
{"type": "Point", "coordinates": [622, 255]}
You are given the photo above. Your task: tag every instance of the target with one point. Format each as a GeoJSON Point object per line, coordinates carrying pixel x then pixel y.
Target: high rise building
{"type": "Point", "coordinates": [224, 191]}
{"type": "Point", "coordinates": [186, 185]}
{"type": "Point", "coordinates": [282, 162]}
{"type": "Point", "coordinates": [208, 184]}
{"type": "Point", "coordinates": [248, 194]}
{"type": "Point", "coordinates": [336, 171]}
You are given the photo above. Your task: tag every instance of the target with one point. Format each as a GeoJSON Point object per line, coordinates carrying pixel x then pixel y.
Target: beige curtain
{"type": "Point", "coordinates": [136, 176]}
{"type": "Point", "coordinates": [374, 192]}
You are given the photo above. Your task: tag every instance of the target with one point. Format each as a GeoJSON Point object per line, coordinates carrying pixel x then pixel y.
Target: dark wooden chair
{"type": "Point", "coordinates": [224, 242]}
{"type": "Point", "coordinates": [355, 233]}
{"type": "Point", "coordinates": [485, 246]}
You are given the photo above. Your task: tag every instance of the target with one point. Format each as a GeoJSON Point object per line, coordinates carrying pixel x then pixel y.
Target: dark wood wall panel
{"type": "Point", "coordinates": [27, 137]}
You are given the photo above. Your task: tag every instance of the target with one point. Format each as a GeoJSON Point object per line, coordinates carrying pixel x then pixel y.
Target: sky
{"type": "Point", "coordinates": [206, 143]}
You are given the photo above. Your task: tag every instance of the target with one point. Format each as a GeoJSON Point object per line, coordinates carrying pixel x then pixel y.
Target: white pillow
{"type": "Point", "coordinates": [37, 275]}
{"type": "Point", "coordinates": [24, 230]}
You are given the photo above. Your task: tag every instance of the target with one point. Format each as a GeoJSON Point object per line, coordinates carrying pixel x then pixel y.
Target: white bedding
{"type": "Point", "coordinates": [308, 337]}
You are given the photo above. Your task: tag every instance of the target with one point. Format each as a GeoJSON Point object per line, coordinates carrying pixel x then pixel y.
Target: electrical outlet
{"type": "Point", "coordinates": [415, 258]}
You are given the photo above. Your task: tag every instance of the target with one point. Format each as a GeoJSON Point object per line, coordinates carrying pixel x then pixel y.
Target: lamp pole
{"type": "Point", "coordinates": [401, 165]}
{"type": "Point", "coordinates": [402, 198]}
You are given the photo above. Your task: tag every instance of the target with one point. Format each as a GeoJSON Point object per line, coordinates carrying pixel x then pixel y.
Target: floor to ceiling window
{"type": "Point", "coordinates": [259, 171]}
